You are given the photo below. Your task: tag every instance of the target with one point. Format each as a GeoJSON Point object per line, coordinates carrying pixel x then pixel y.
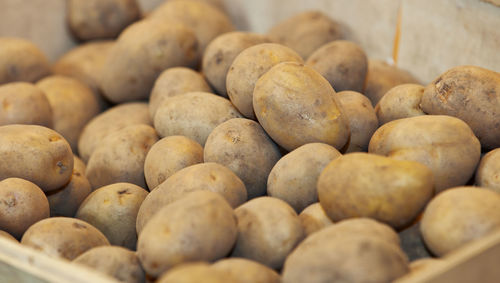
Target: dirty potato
{"type": "Point", "coordinates": [402, 101]}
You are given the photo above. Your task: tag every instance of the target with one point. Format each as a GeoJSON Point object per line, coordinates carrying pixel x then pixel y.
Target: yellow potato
{"type": "Point", "coordinates": [488, 171]}
{"type": "Point", "coordinates": [247, 271]}
{"type": "Point", "coordinates": [314, 218]}
{"type": "Point", "coordinates": [196, 272]}
{"type": "Point", "coordinates": [401, 101]}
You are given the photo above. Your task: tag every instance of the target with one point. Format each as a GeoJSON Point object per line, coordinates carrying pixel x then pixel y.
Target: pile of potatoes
{"type": "Point", "coordinates": [171, 147]}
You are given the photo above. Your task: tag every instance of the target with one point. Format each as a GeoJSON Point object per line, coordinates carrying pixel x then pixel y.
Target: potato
{"type": "Point", "coordinates": [175, 81]}
{"type": "Point", "coordinates": [220, 53]}
{"type": "Point", "coordinates": [23, 103]}
{"type": "Point", "coordinates": [195, 272]}
{"type": "Point", "coordinates": [115, 118]}
{"type": "Point", "coordinates": [444, 144]}
{"type": "Point", "coordinates": [120, 157]}
{"type": "Point", "coordinates": [36, 154]}
{"type": "Point", "coordinates": [381, 77]}
{"type": "Point", "coordinates": [355, 258]}
{"type": "Point", "coordinates": [268, 230]}
{"type": "Point", "coordinates": [5, 235]}
{"type": "Point", "coordinates": [63, 237]}
{"type": "Point", "coordinates": [73, 105]}
{"type": "Point", "coordinates": [248, 67]}
{"type": "Point", "coordinates": [296, 105]}
{"type": "Point", "coordinates": [22, 204]}
{"type": "Point", "coordinates": [94, 19]}
{"type": "Point", "coordinates": [200, 177]}
{"type": "Point", "coordinates": [113, 210]}
{"type": "Point", "coordinates": [244, 147]}
{"type": "Point", "coordinates": [140, 54]}
{"type": "Point", "coordinates": [199, 227]}
{"type": "Point", "coordinates": [314, 218]}
{"type": "Point", "coordinates": [401, 101]}
{"type": "Point", "coordinates": [21, 60]}
{"type": "Point", "coordinates": [294, 177]}
{"type": "Point", "coordinates": [66, 200]}
{"type": "Point", "coordinates": [488, 171]}
{"type": "Point", "coordinates": [472, 94]}
{"type": "Point", "coordinates": [458, 216]}
{"type": "Point", "coordinates": [193, 114]}
{"type": "Point", "coordinates": [343, 63]}
{"type": "Point", "coordinates": [168, 156]}
{"type": "Point", "coordinates": [362, 119]}
{"type": "Point", "coordinates": [247, 271]}
{"type": "Point", "coordinates": [306, 32]}
{"type": "Point", "coordinates": [388, 190]}
{"type": "Point", "coordinates": [117, 262]}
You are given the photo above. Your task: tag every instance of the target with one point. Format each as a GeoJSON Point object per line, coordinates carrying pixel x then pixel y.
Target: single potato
{"type": "Point", "coordinates": [196, 272]}
{"type": "Point", "coordinates": [247, 271]}
{"type": "Point", "coordinates": [314, 218]}
{"type": "Point", "coordinates": [488, 171]}
{"type": "Point", "coordinates": [401, 101]}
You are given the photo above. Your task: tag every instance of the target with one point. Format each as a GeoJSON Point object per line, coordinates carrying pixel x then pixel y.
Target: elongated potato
{"type": "Point", "coordinates": [401, 101]}
{"type": "Point", "coordinates": [314, 218]}
{"type": "Point", "coordinates": [488, 171]}
{"type": "Point", "coordinates": [247, 271]}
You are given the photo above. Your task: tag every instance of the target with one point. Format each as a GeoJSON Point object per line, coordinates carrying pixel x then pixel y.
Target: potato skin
{"type": "Point", "coordinates": [388, 190]}
{"type": "Point", "coordinates": [247, 271]}
{"type": "Point", "coordinates": [444, 144]}
{"type": "Point", "coordinates": [488, 171]}
{"type": "Point", "coordinates": [24, 103]}
{"type": "Point", "coordinates": [23, 204]}
{"type": "Point", "coordinates": [5, 235]}
{"type": "Point", "coordinates": [401, 101]}
{"type": "Point", "coordinates": [296, 105]}
{"type": "Point", "coordinates": [46, 156]}
{"type": "Point", "coordinates": [314, 218]}
{"type": "Point", "coordinates": [471, 94]}
{"type": "Point", "coordinates": [196, 272]}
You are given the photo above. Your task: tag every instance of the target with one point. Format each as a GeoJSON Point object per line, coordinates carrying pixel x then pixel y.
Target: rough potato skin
{"type": "Point", "coordinates": [196, 272]}
{"type": "Point", "coordinates": [314, 218]}
{"type": "Point", "coordinates": [343, 63]}
{"type": "Point", "coordinates": [220, 54]}
{"type": "Point", "coordinates": [368, 185]}
{"type": "Point", "coordinates": [198, 227]}
{"type": "Point", "coordinates": [296, 105]}
{"type": "Point", "coordinates": [247, 271]}
{"type": "Point", "coordinates": [488, 171]}
{"type": "Point", "coordinates": [248, 67]}
{"type": "Point", "coordinates": [471, 94]}
{"type": "Point", "coordinates": [444, 144]}
{"type": "Point", "coordinates": [24, 103]}
{"type": "Point", "coordinates": [37, 154]}
{"type": "Point", "coordinates": [63, 237]}
{"type": "Point", "coordinates": [294, 177]}
{"type": "Point", "coordinates": [117, 262]}
{"type": "Point", "coordinates": [23, 204]}
{"type": "Point", "coordinates": [21, 60]}
{"type": "Point", "coordinates": [244, 147]}
{"type": "Point", "coordinates": [401, 101]}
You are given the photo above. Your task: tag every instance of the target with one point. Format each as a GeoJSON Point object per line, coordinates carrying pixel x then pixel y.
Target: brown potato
{"type": "Point", "coordinates": [23, 103]}
{"type": "Point", "coordinates": [458, 216]}
{"type": "Point", "coordinates": [22, 204]}
{"type": "Point", "coordinates": [294, 177]}
{"type": "Point", "coordinates": [247, 271]}
{"type": "Point", "coordinates": [444, 144]}
{"type": "Point", "coordinates": [168, 156]}
{"type": "Point", "coordinates": [488, 171]}
{"type": "Point", "coordinates": [63, 237]}
{"type": "Point", "coordinates": [401, 101]}
{"type": "Point", "coordinates": [314, 218]}
{"type": "Point", "coordinates": [343, 63]}
{"type": "Point", "coordinates": [36, 154]}
{"type": "Point", "coordinates": [220, 54]}
{"type": "Point", "coordinates": [296, 105]}
{"type": "Point", "coordinates": [21, 60]}
{"type": "Point", "coordinates": [244, 147]}
{"type": "Point", "coordinates": [248, 67]}
{"type": "Point", "coordinates": [196, 272]}
{"type": "Point", "coordinates": [471, 94]}
{"type": "Point", "coordinates": [193, 114]}
{"type": "Point", "coordinates": [388, 190]}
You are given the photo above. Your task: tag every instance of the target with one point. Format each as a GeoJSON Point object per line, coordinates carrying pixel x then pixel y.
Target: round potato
{"type": "Point", "coordinates": [24, 103]}
{"type": "Point", "coordinates": [21, 60]}
{"type": "Point", "coordinates": [314, 218]}
{"type": "Point", "coordinates": [120, 157]}
{"type": "Point", "coordinates": [401, 101]}
{"type": "Point", "coordinates": [196, 272]}
{"type": "Point", "coordinates": [444, 144]}
{"type": "Point", "coordinates": [247, 271]}
{"type": "Point", "coordinates": [343, 63]}
{"type": "Point", "coordinates": [488, 171]}
{"type": "Point", "coordinates": [176, 116]}
{"type": "Point", "coordinates": [5, 235]}
{"type": "Point", "coordinates": [248, 67]}
{"type": "Point", "coordinates": [362, 119]}
{"type": "Point", "coordinates": [268, 230]}
{"type": "Point", "coordinates": [244, 147]}
{"type": "Point", "coordinates": [168, 156]}
{"type": "Point", "coordinates": [294, 177]}
{"type": "Point", "coordinates": [199, 227]}
{"type": "Point", "coordinates": [63, 237]}
{"type": "Point", "coordinates": [458, 216]}
{"type": "Point", "coordinates": [220, 54]}
{"type": "Point", "coordinates": [306, 32]}
{"type": "Point", "coordinates": [37, 154]}
{"type": "Point", "coordinates": [22, 204]}
{"type": "Point", "coordinates": [296, 105]}
{"type": "Point", "coordinates": [117, 262]}
{"type": "Point", "coordinates": [368, 185]}
{"type": "Point", "coordinates": [471, 94]}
